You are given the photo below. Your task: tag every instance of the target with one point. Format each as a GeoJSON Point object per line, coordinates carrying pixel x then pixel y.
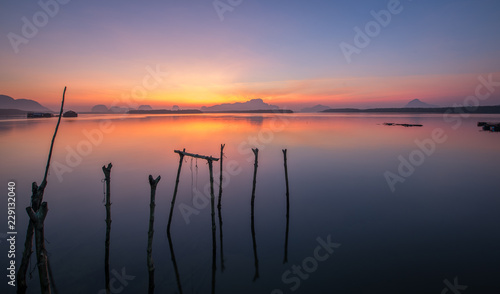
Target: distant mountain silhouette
{"type": "Point", "coordinates": [100, 108]}
{"type": "Point", "coordinates": [145, 107]}
{"type": "Point", "coordinates": [416, 103]}
{"type": "Point", "coordinates": [316, 108]}
{"type": "Point", "coordinates": [118, 109]}
{"type": "Point", "coordinates": [7, 102]}
{"type": "Point", "coordinates": [479, 109]}
{"type": "Point", "coordinates": [254, 104]}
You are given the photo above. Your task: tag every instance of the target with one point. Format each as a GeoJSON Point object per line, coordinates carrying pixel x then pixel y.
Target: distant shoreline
{"type": "Point", "coordinates": [439, 110]}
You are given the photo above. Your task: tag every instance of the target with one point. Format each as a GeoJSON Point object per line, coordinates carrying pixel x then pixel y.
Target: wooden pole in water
{"type": "Point", "coordinates": [36, 200]}
{"type": "Point", "coordinates": [151, 267]}
{"type": "Point", "coordinates": [210, 161]}
{"type": "Point", "coordinates": [254, 242]}
{"type": "Point", "coordinates": [219, 206]}
{"type": "Point", "coordinates": [220, 176]}
{"type": "Point", "coordinates": [172, 204]}
{"type": "Point", "coordinates": [212, 205]}
{"type": "Point", "coordinates": [107, 179]}
{"type": "Point", "coordinates": [174, 262]}
{"type": "Point", "coordinates": [285, 259]}
{"type": "Point", "coordinates": [38, 219]}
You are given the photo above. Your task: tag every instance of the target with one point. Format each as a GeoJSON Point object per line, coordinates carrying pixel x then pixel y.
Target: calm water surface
{"type": "Point", "coordinates": [441, 222]}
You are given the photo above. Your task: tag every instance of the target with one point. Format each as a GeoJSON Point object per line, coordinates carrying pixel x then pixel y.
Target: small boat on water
{"type": "Point", "coordinates": [38, 114]}
{"type": "Point", "coordinates": [70, 113]}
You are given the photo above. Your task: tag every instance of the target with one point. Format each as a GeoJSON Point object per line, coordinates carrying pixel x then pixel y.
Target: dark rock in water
{"type": "Point", "coordinates": [38, 114]}
{"type": "Point", "coordinates": [70, 113]}
{"type": "Point", "coordinates": [492, 127]}
{"type": "Point", "coordinates": [403, 125]}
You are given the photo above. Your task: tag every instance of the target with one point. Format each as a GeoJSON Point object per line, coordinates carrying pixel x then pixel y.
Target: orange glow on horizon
{"type": "Point", "coordinates": [194, 93]}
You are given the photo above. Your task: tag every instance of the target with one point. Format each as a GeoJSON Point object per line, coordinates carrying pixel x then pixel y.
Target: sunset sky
{"type": "Point", "coordinates": [286, 52]}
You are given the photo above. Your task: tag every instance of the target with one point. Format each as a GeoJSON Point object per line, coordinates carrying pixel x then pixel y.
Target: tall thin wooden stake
{"type": "Point", "coordinates": [256, 259]}
{"type": "Point", "coordinates": [38, 219]}
{"type": "Point", "coordinates": [212, 205]}
{"type": "Point", "coordinates": [210, 161]}
{"type": "Point", "coordinates": [151, 267]}
{"type": "Point", "coordinates": [36, 200]}
{"type": "Point", "coordinates": [285, 259]}
{"type": "Point", "coordinates": [107, 176]}
{"type": "Point", "coordinates": [220, 176]}
{"type": "Point", "coordinates": [219, 206]}
{"type": "Point", "coordinates": [172, 204]}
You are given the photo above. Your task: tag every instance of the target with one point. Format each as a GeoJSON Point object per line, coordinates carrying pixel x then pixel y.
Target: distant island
{"type": "Point", "coordinates": [316, 108]}
{"type": "Point", "coordinates": [9, 103]}
{"type": "Point", "coordinates": [164, 111]}
{"type": "Point", "coordinates": [416, 103]}
{"type": "Point", "coordinates": [21, 107]}
{"type": "Point", "coordinates": [191, 111]}
{"type": "Point", "coordinates": [480, 109]}
{"type": "Point", "coordinates": [250, 105]}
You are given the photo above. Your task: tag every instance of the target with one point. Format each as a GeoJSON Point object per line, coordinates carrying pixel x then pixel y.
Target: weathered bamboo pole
{"type": "Point", "coordinates": [151, 267]}
{"type": "Point", "coordinates": [36, 200]}
{"type": "Point", "coordinates": [254, 242]}
{"type": "Point", "coordinates": [38, 219]}
{"type": "Point", "coordinates": [212, 206]}
{"type": "Point", "coordinates": [219, 206]}
{"type": "Point", "coordinates": [107, 175]}
{"type": "Point", "coordinates": [285, 259]}
{"type": "Point", "coordinates": [172, 204]}
{"type": "Point", "coordinates": [174, 262]}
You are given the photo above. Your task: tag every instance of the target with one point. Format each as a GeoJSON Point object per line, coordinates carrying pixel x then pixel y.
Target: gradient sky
{"type": "Point", "coordinates": [285, 52]}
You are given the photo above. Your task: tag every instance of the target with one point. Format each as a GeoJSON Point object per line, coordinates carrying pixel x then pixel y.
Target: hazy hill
{"type": "Point", "coordinates": [7, 102]}
{"type": "Point", "coordinates": [100, 108]}
{"type": "Point", "coordinates": [316, 108]}
{"type": "Point", "coordinates": [254, 104]}
{"type": "Point", "coordinates": [145, 107]}
{"type": "Point", "coordinates": [416, 103]}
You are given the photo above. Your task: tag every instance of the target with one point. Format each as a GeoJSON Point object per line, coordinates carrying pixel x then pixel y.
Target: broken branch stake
{"type": "Point", "coordinates": [172, 204]}
{"type": "Point", "coordinates": [151, 267]}
{"type": "Point", "coordinates": [219, 206]}
{"type": "Point", "coordinates": [254, 242]}
{"type": "Point", "coordinates": [41, 254]}
{"type": "Point", "coordinates": [36, 200]}
{"type": "Point", "coordinates": [107, 175]}
{"type": "Point", "coordinates": [285, 258]}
